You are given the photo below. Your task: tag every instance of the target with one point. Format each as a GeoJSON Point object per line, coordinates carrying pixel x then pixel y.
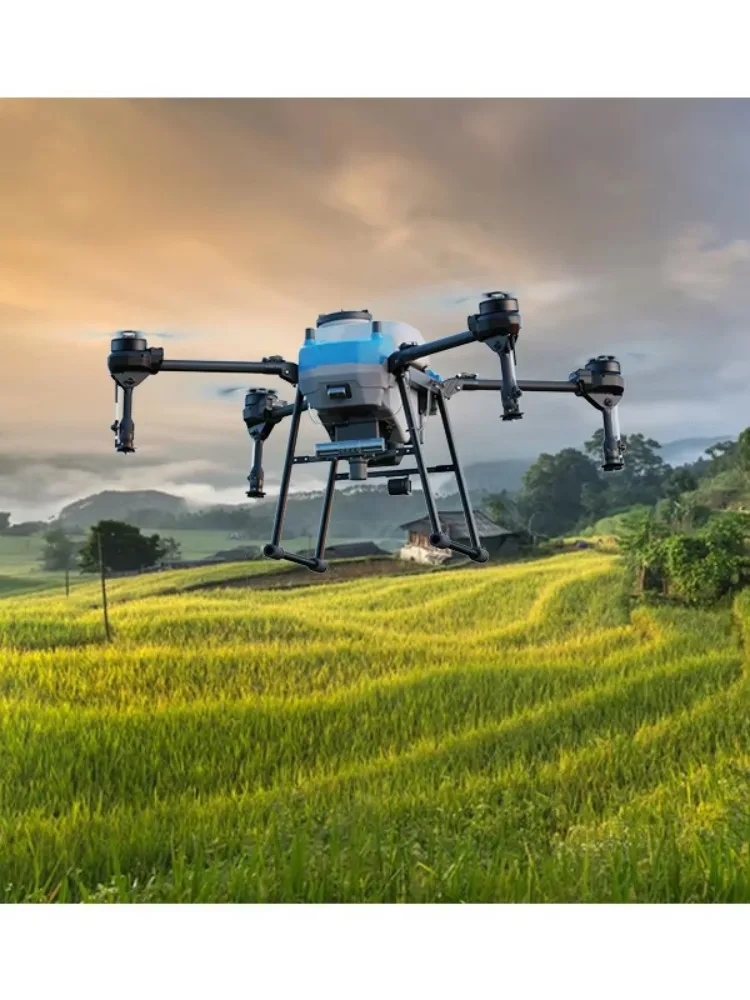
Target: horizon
{"type": "Point", "coordinates": [443, 485]}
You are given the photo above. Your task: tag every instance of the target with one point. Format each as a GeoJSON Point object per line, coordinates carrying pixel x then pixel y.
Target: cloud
{"type": "Point", "coordinates": [237, 222]}
{"type": "Point", "coordinates": [705, 271]}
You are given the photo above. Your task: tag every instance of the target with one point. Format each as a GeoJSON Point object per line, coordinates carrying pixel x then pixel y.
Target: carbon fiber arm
{"type": "Point", "coordinates": [131, 361]}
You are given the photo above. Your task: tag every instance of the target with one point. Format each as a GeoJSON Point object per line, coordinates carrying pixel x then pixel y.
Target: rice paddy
{"type": "Point", "coordinates": [514, 733]}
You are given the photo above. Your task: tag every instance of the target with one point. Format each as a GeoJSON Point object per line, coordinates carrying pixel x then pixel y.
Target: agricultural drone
{"type": "Point", "coordinates": [354, 371]}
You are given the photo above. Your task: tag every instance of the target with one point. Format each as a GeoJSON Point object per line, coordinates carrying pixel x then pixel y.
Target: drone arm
{"type": "Point", "coordinates": [268, 366]}
{"type": "Point", "coordinates": [408, 353]}
{"type": "Point", "coordinates": [470, 383]}
{"type": "Point", "coordinates": [123, 426]}
{"type": "Point", "coordinates": [599, 383]}
{"type": "Point", "coordinates": [131, 361]}
{"type": "Point", "coordinates": [496, 324]}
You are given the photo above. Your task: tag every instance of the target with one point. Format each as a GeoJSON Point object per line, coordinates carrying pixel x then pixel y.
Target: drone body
{"type": "Point", "coordinates": [363, 377]}
{"type": "Point", "coordinates": [344, 376]}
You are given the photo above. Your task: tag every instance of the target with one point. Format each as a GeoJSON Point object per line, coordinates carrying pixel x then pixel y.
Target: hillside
{"type": "Point", "coordinates": [493, 477]}
{"type": "Point", "coordinates": [687, 450]}
{"type": "Point", "coordinates": [550, 744]}
{"type": "Point", "coordinates": [356, 508]}
{"type": "Point", "coordinates": [357, 513]}
{"type": "Point", "coordinates": [121, 505]}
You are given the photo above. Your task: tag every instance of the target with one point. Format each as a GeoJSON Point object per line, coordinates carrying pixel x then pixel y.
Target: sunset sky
{"type": "Point", "coordinates": [623, 227]}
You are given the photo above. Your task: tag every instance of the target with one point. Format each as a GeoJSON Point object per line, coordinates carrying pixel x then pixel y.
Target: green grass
{"type": "Point", "coordinates": [20, 570]}
{"type": "Point", "coordinates": [20, 558]}
{"type": "Point", "coordinates": [612, 525]}
{"type": "Point", "coordinates": [519, 733]}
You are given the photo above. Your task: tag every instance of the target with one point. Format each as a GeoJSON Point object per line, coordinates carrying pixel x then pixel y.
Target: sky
{"type": "Point", "coordinates": [622, 226]}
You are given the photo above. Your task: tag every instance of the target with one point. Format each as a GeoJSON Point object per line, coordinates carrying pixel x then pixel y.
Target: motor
{"type": "Point", "coordinates": [130, 362]}
{"type": "Point", "coordinates": [260, 420]}
{"type": "Point", "coordinates": [497, 324]}
{"type": "Point", "coordinates": [600, 382]}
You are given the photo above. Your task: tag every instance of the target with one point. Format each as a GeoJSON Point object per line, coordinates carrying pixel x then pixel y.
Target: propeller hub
{"type": "Point", "coordinates": [129, 340]}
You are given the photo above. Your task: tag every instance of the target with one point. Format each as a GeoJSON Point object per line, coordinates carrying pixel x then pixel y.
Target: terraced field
{"type": "Point", "coordinates": [510, 733]}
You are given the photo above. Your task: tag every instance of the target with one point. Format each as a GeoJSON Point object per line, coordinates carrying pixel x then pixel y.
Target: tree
{"type": "Point", "coordinates": [678, 481]}
{"type": "Point", "coordinates": [4, 520]}
{"type": "Point", "coordinates": [59, 551]}
{"type": "Point", "coordinates": [642, 479]}
{"type": "Point", "coordinates": [171, 550]}
{"type": "Point", "coordinates": [641, 542]}
{"type": "Point", "coordinates": [594, 501]}
{"type": "Point", "coordinates": [682, 513]}
{"type": "Point", "coordinates": [123, 548]}
{"type": "Point", "coordinates": [720, 457]}
{"type": "Point", "coordinates": [503, 508]}
{"type": "Point", "coordinates": [742, 450]}
{"type": "Point", "coordinates": [553, 491]}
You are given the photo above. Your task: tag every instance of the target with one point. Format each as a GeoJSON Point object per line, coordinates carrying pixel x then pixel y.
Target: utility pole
{"type": "Point", "coordinates": [104, 588]}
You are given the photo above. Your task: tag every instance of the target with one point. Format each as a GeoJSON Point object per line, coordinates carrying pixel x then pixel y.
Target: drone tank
{"type": "Point", "coordinates": [344, 376]}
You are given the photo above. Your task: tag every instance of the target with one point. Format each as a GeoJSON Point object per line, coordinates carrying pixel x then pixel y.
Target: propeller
{"type": "Point", "coordinates": [435, 299]}
{"type": "Point", "coordinates": [163, 335]}
{"type": "Point", "coordinates": [473, 297]}
{"type": "Point", "coordinates": [228, 390]}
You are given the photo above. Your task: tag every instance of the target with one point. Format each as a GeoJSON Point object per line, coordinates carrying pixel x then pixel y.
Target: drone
{"type": "Point", "coordinates": [360, 376]}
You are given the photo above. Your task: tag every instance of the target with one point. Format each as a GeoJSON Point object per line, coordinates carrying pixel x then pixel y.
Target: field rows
{"type": "Point", "coordinates": [515, 733]}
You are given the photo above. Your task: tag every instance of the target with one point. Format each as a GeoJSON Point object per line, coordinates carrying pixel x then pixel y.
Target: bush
{"type": "Point", "coordinates": [699, 566]}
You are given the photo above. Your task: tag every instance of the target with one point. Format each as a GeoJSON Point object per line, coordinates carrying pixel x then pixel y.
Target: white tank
{"type": "Point", "coordinates": [402, 333]}
{"type": "Point", "coordinates": [343, 329]}
{"type": "Point", "coordinates": [360, 329]}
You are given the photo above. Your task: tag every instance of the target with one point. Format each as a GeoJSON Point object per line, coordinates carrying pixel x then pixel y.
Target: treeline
{"type": "Point", "coordinates": [566, 492]}
{"type": "Point", "coordinates": [685, 532]}
{"type": "Point", "coordinates": [23, 529]}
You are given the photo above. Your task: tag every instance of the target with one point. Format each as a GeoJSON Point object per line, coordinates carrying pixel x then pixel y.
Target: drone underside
{"type": "Point", "coordinates": [361, 376]}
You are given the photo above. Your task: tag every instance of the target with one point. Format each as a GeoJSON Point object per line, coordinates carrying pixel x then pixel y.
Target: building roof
{"type": "Point", "coordinates": [454, 522]}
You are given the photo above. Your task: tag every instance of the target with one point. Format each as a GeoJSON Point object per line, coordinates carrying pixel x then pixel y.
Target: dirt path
{"type": "Point", "coordinates": [295, 578]}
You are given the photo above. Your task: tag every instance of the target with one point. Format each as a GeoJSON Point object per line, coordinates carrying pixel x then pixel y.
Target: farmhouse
{"type": "Point", "coordinates": [496, 539]}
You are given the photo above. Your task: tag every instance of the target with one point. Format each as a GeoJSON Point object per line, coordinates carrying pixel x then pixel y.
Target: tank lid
{"type": "Point", "coordinates": [338, 317]}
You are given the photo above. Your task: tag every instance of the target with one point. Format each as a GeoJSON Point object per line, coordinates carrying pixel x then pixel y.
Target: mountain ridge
{"type": "Point", "coordinates": [363, 503]}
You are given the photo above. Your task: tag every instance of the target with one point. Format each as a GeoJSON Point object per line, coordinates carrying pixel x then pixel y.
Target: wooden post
{"type": "Point", "coordinates": [67, 581]}
{"type": "Point", "coordinates": [104, 588]}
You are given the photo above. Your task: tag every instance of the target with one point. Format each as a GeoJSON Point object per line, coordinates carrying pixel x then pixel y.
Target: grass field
{"type": "Point", "coordinates": [517, 733]}
{"type": "Point", "coordinates": [20, 557]}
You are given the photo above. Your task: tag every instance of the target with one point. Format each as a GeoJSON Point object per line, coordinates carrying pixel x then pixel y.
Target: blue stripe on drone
{"type": "Point", "coordinates": [370, 351]}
